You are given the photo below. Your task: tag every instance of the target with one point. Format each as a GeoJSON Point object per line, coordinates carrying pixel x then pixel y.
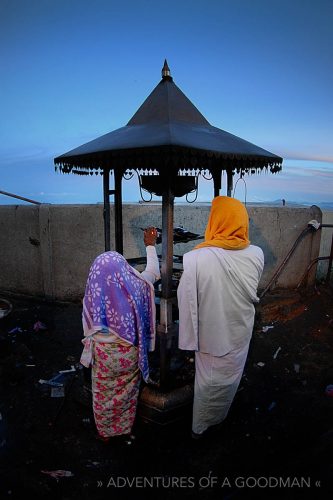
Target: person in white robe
{"type": "Point", "coordinates": [216, 297]}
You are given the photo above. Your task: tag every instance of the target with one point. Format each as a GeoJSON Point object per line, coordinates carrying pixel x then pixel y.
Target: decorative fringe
{"type": "Point", "coordinates": [174, 160]}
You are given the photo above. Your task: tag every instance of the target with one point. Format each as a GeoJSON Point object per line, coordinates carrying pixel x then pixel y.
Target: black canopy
{"type": "Point", "coordinates": [168, 132]}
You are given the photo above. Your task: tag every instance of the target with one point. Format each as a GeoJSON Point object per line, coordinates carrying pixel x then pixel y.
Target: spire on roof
{"type": "Point", "coordinates": [166, 75]}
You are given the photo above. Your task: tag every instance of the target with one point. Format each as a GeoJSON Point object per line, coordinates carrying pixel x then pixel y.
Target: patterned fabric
{"type": "Point", "coordinates": [115, 387]}
{"type": "Point", "coordinates": [119, 300]}
{"type": "Point", "coordinates": [228, 225]}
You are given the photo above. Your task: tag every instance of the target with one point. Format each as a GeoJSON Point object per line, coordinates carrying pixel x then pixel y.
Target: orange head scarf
{"type": "Point", "coordinates": [228, 225]}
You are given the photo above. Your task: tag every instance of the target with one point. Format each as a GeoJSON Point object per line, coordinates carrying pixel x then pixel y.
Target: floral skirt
{"type": "Point", "coordinates": [115, 387]}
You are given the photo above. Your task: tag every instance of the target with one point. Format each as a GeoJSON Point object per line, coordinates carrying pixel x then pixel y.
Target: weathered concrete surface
{"type": "Point", "coordinates": [20, 249]}
{"type": "Point", "coordinates": [275, 230]}
{"type": "Point", "coordinates": [325, 245]}
{"type": "Point", "coordinates": [47, 250]}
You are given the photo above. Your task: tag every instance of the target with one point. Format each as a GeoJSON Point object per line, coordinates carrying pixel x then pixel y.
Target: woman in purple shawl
{"type": "Point", "coordinates": [119, 329]}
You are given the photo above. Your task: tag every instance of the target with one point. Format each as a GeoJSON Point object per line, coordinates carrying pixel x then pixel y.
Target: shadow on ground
{"type": "Point", "coordinates": [277, 441]}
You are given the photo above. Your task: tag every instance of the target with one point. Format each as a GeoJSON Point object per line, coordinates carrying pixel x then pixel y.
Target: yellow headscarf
{"type": "Point", "coordinates": [228, 225]}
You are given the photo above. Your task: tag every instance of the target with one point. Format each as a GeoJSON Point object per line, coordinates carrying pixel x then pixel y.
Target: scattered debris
{"type": "Point", "coordinates": [57, 392]}
{"type": "Point", "coordinates": [39, 326]}
{"type": "Point", "coordinates": [271, 406]}
{"type": "Point", "coordinates": [50, 382]}
{"type": "Point", "coordinates": [57, 380]}
{"type": "Point", "coordinates": [130, 439]}
{"type": "Point", "coordinates": [5, 308]}
{"type": "Point", "coordinates": [266, 328]}
{"type": "Point", "coordinates": [71, 359]}
{"type": "Point", "coordinates": [296, 367]}
{"type": "Point", "coordinates": [93, 464]}
{"type": "Point", "coordinates": [30, 366]}
{"type": "Point", "coordinates": [329, 390]}
{"type": "Point", "coordinates": [56, 474]}
{"type": "Point", "coordinates": [68, 371]}
{"type": "Point", "coordinates": [276, 352]}
{"type": "Point", "coordinates": [17, 329]}
{"type": "Point", "coordinates": [78, 440]}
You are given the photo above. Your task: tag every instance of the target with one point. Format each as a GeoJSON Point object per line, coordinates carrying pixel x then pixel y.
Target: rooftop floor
{"type": "Point", "coordinates": [279, 427]}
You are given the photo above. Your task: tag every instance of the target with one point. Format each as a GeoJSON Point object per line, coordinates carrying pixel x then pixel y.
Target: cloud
{"type": "Point", "coordinates": [293, 155]}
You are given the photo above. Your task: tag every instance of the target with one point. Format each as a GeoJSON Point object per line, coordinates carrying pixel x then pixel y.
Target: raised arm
{"type": "Point", "coordinates": [152, 271]}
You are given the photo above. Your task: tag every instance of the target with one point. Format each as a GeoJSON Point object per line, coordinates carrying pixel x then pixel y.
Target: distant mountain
{"type": "Point", "coordinates": [323, 205]}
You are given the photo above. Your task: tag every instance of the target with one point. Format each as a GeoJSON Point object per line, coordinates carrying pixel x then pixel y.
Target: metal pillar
{"type": "Point", "coordinates": [106, 212]}
{"type": "Point", "coordinates": [217, 174]}
{"type": "Point", "coordinates": [118, 213]}
{"type": "Point", "coordinates": [165, 325]}
{"type": "Point", "coordinates": [229, 182]}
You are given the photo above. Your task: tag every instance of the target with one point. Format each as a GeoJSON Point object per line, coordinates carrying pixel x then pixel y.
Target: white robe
{"type": "Point", "coordinates": [216, 294]}
{"type": "Point", "coordinates": [216, 315]}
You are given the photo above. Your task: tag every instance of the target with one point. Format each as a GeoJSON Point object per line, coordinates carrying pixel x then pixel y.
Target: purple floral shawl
{"type": "Point", "coordinates": [118, 299]}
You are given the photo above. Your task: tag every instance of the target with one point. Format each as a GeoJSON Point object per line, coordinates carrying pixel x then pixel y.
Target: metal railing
{"type": "Point", "coordinates": [312, 226]}
{"type": "Point", "coordinates": [314, 261]}
{"type": "Point", "coordinates": [20, 198]}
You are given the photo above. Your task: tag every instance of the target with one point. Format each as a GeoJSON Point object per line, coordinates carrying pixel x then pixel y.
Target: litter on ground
{"type": "Point", "coordinates": [276, 352]}
{"type": "Point", "coordinates": [266, 328]}
{"type": "Point", "coordinates": [56, 474]}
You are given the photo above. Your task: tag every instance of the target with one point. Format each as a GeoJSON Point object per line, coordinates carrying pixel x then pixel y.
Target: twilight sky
{"type": "Point", "coordinates": [72, 70]}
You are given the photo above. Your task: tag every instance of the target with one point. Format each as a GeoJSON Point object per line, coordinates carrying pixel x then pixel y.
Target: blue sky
{"type": "Point", "coordinates": [74, 70]}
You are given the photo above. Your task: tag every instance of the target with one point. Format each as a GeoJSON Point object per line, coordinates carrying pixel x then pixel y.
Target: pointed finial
{"type": "Point", "coordinates": [166, 75]}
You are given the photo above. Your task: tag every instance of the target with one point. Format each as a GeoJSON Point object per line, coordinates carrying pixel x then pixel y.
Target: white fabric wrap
{"type": "Point", "coordinates": [216, 294]}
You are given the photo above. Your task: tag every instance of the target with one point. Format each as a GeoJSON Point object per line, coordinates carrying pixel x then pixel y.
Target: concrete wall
{"type": "Point", "coordinates": [325, 245]}
{"type": "Point", "coordinates": [20, 251]}
{"type": "Point", "coordinates": [47, 250]}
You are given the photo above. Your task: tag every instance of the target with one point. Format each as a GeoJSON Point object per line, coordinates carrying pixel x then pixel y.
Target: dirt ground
{"type": "Point", "coordinates": [276, 442]}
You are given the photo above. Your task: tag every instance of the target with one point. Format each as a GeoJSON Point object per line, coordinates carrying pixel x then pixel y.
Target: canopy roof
{"type": "Point", "coordinates": [168, 132]}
